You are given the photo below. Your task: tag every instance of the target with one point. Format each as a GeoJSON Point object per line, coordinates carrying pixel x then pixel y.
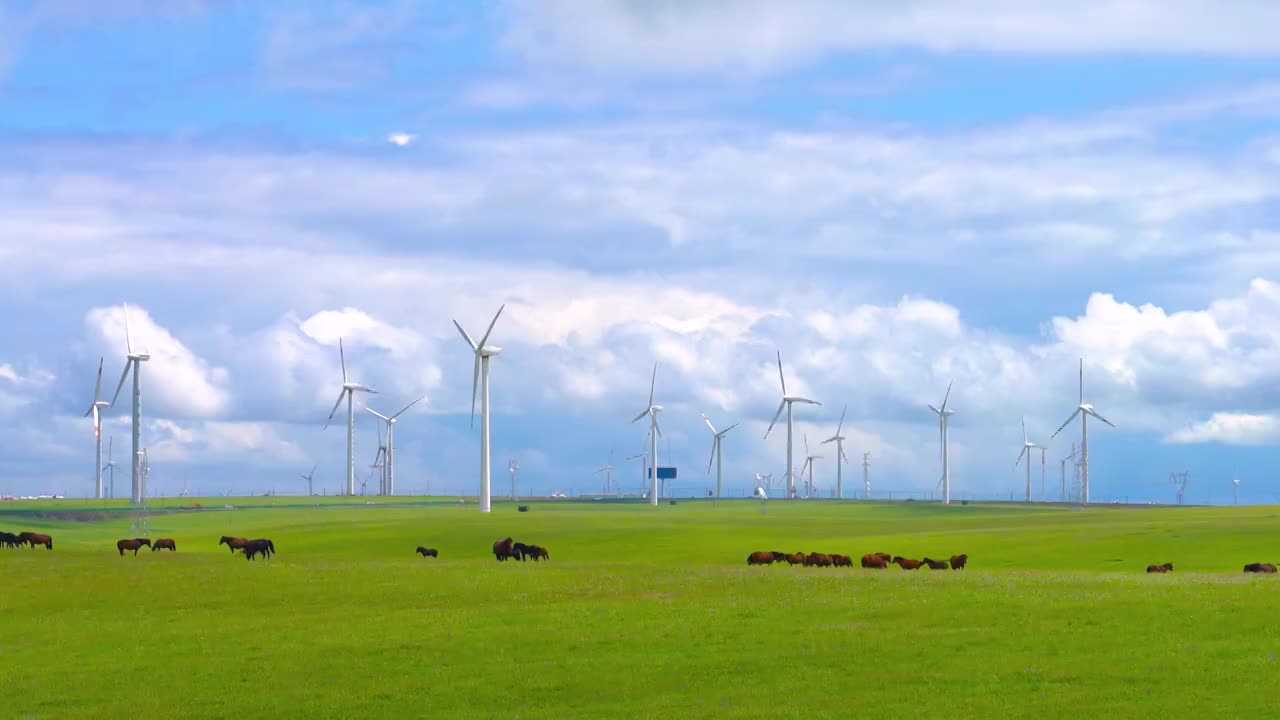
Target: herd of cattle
{"type": "Point", "coordinates": [873, 561]}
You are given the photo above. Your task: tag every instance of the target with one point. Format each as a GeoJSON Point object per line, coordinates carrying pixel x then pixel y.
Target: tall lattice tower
{"type": "Point", "coordinates": [1179, 480]}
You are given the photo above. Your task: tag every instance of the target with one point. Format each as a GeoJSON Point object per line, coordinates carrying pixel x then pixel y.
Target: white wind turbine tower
{"type": "Point", "coordinates": [944, 421]}
{"type": "Point", "coordinates": [840, 456]}
{"type": "Point", "coordinates": [97, 432]}
{"type": "Point", "coordinates": [389, 470]}
{"type": "Point", "coordinates": [133, 362]}
{"type": "Point", "coordinates": [349, 389]}
{"type": "Point", "coordinates": [1084, 410]}
{"type": "Point", "coordinates": [808, 464]}
{"type": "Point", "coordinates": [654, 433]}
{"type": "Point", "coordinates": [607, 469]}
{"type": "Point", "coordinates": [866, 476]}
{"type": "Point", "coordinates": [1027, 445]}
{"type": "Point", "coordinates": [480, 379]}
{"type": "Point", "coordinates": [787, 402]}
{"type": "Point", "coordinates": [1235, 490]}
{"type": "Point", "coordinates": [643, 457]}
{"type": "Point", "coordinates": [717, 450]}
{"type": "Point", "coordinates": [308, 477]}
{"type": "Point", "coordinates": [111, 467]}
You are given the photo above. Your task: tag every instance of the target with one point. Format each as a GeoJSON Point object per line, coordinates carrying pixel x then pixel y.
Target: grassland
{"type": "Point", "coordinates": [644, 612]}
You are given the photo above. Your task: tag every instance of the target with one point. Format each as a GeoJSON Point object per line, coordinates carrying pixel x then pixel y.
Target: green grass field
{"type": "Point", "coordinates": [642, 613]}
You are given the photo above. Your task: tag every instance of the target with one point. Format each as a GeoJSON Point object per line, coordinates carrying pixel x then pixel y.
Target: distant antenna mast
{"type": "Point", "coordinates": [866, 476]}
{"type": "Point", "coordinates": [1180, 480]}
{"type": "Point", "coordinates": [512, 467]}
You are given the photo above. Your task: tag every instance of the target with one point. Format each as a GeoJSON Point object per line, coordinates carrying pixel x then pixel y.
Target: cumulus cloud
{"type": "Point", "coordinates": [761, 36]}
{"type": "Point", "coordinates": [1229, 429]}
{"type": "Point", "coordinates": [179, 382]}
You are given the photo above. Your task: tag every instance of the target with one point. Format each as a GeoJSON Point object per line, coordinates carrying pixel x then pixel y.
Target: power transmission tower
{"type": "Point", "coordinates": [1179, 481]}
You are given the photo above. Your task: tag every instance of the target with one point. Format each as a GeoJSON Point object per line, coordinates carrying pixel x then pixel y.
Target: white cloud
{"type": "Point", "coordinates": [248, 443]}
{"type": "Point", "coordinates": [401, 139]}
{"type": "Point", "coordinates": [761, 36]}
{"type": "Point", "coordinates": [1230, 429]}
{"type": "Point", "coordinates": [178, 381]}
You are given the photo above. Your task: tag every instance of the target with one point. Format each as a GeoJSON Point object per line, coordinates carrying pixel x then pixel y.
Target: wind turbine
{"type": "Point", "coordinates": [133, 362]}
{"type": "Point", "coordinates": [1235, 490]}
{"type": "Point", "coordinates": [840, 456]}
{"type": "Point", "coordinates": [1084, 410]}
{"type": "Point", "coordinates": [111, 466]}
{"type": "Point", "coordinates": [389, 472]}
{"type": "Point", "coordinates": [308, 477]}
{"type": "Point", "coordinates": [716, 450]}
{"type": "Point", "coordinates": [608, 471]}
{"type": "Point", "coordinates": [97, 432]}
{"type": "Point", "coordinates": [349, 389]}
{"type": "Point", "coordinates": [480, 380]}
{"type": "Point", "coordinates": [866, 476]}
{"type": "Point", "coordinates": [1027, 445]}
{"type": "Point", "coordinates": [808, 464]}
{"type": "Point", "coordinates": [654, 433]}
{"type": "Point", "coordinates": [765, 481]}
{"type": "Point", "coordinates": [944, 421]}
{"type": "Point", "coordinates": [512, 467]}
{"type": "Point", "coordinates": [643, 457]}
{"type": "Point", "coordinates": [787, 402]}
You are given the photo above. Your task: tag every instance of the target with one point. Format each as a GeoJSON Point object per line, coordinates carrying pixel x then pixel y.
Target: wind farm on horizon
{"type": "Point", "coordinates": [796, 484]}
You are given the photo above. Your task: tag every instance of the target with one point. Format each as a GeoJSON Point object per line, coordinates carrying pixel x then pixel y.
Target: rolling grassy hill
{"type": "Point", "coordinates": [642, 612]}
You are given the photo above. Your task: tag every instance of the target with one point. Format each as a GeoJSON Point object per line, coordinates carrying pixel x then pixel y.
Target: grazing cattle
{"type": "Point", "coordinates": [164, 544]}
{"type": "Point", "coordinates": [796, 558]}
{"type": "Point", "coordinates": [958, 561]}
{"type": "Point", "coordinates": [841, 561]}
{"type": "Point", "coordinates": [760, 558]}
{"type": "Point", "coordinates": [502, 550]}
{"type": "Point", "coordinates": [1167, 567]}
{"type": "Point", "coordinates": [886, 557]}
{"type": "Point", "coordinates": [427, 552]}
{"type": "Point", "coordinates": [9, 540]}
{"type": "Point", "coordinates": [906, 563]}
{"type": "Point", "coordinates": [536, 551]}
{"type": "Point", "coordinates": [134, 544]}
{"type": "Point", "coordinates": [233, 543]}
{"type": "Point", "coordinates": [261, 546]}
{"type": "Point", "coordinates": [935, 564]}
{"type": "Point", "coordinates": [1260, 568]}
{"type": "Point", "coordinates": [34, 539]}
{"type": "Point", "coordinates": [778, 557]}
{"type": "Point", "coordinates": [818, 560]}
{"type": "Point", "coordinates": [520, 551]}
{"type": "Point", "coordinates": [874, 561]}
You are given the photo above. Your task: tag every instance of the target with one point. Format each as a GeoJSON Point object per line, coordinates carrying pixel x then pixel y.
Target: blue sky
{"type": "Point", "coordinates": [894, 196]}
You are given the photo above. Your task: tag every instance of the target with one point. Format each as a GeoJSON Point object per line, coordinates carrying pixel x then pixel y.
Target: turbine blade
{"type": "Point", "coordinates": [781, 406]}
{"type": "Point", "coordinates": [807, 401]}
{"type": "Point", "coordinates": [97, 387]}
{"type": "Point", "coordinates": [659, 430]}
{"type": "Point", "coordinates": [714, 444]}
{"type": "Point", "coordinates": [475, 386]}
{"type": "Point", "coordinates": [493, 322]}
{"type": "Point", "coordinates": [341, 394]}
{"type": "Point", "coordinates": [646, 412]}
{"type": "Point", "coordinates": [375, 412]}
{"type": "Point", "coordinates": [653, 383]}
{"type": "Point", "coordinates": [725, 431]}
{"type": "Point", "coordinates": [1024, 430]}
{"type": "Point", "coordinates": [707, 420]}
{"type": "Point", "coordinates": [128, 344]}
{"type": "Point", "coordinates": [465, 336]}
{"type": "Point", "coordinates": [313, 469]}
{"type": "Point", "coordinates": [124, 375]}
{"type": "Point", "coordinates": [1095, 414]}
{"type": "Point", "coordinates": [1081, 381]}
{"type": "Point", "coordinates": [840, 425]}
{"type": "Point", "coordinates": [406, 407]}
{"type": "Point", "coordinates": [1020, 454]}
{"type": "Point", "coordinates": [780, 375]}
{"type": "Point", "coordinates": [947, 396]}
{"type": "Point", "coordinates": [1068, 422]}
{"type": "Point", "coordinates": [342, 356]}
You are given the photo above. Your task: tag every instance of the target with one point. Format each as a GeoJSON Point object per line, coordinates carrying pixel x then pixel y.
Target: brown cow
{"type": "Point", "coordinates": [502, 549]}
{"type": "Point", "coordinates": [842, 561]}
{"type": "Point", "coordinates": [1167, 567]}
{"type": "Point", "coordinates": [818, 559]}
{"type": "Point", "coordinates": [134, 544]}
{"type": "Point", "coordinates": [34, 539]}
{"type": "Point", "coordinates": [760, 558]}
{"type": "Point", "coordinates": [796, 558]}
{"type": "Point", "coordinates": [958, 561]}
{"type": "Point", "coordinates": [873, 561]}
{"type": "Point", "coordinates": [164, 544]}
{"type": "Point", "coordinates": [906, 563]}
{"type": "Point", "coordinates": [779, 557]}
{"type": "Point", "coordinates": [1260, 568]}
{"type": "Point", "coordinates": [233, 543]}
{"type": "Point", "coordinates": [935, 564]}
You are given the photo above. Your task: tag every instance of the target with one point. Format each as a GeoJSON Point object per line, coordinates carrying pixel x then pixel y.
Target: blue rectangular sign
{"type": "Point", "coordinates": [664, 473]}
